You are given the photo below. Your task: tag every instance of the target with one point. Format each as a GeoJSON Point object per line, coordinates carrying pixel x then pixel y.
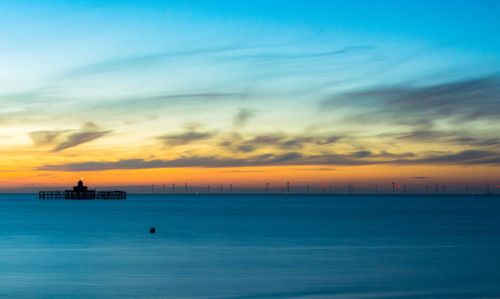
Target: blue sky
{"type": "Point", "coordinates": [467, 24]}
{"type": "Point", "coordinates": [287, 82]}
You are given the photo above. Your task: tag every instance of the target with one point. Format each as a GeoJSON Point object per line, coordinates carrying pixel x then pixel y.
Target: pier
{"type": "Point", "coordinates": [81, 192]}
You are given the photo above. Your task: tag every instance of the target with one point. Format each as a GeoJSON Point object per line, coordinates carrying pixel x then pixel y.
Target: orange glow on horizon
{"type": "Point", "coordinates": [258, 176]}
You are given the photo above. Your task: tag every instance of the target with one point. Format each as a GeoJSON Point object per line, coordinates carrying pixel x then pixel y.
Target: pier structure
{"type": "Point", "coordinates": [82, 192]}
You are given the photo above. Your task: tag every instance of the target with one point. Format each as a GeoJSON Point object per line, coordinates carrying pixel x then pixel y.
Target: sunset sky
{"type": "Point", "coordinates": [248, 92]}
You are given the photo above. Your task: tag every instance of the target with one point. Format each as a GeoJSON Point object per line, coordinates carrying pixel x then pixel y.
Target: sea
{"type": "Point", "coordinates": [251, 246]}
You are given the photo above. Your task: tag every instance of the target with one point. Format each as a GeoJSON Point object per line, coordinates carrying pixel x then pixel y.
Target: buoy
{"type": "Point", "coordinates": [152, 230]}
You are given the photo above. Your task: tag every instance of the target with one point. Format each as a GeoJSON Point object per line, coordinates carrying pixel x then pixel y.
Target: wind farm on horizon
{"type": "Point", "coordinates": [288, 188]}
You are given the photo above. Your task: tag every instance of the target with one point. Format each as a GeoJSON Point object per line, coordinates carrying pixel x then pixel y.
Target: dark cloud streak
{"type": "Point", "coordinates": [79, 138]}
{"type": "Point", "coordinates": [277, 140]}
{"type": "Point", "coordinates": [185, 137]}
{"type": "Point", "coordinates": [469, 157]}
{"type": "Point", "coordinates": [459, 101]}
{"type": "Point", "coordinates": [45, 137]}
{"type": "Point", "coordinates": [291, 158]}
{"type": "Point", "coordinates": [89, 132]}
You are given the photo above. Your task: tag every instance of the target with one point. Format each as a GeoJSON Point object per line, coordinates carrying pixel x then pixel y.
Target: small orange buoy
{"type": "Point", "coordinates": [152, 230]}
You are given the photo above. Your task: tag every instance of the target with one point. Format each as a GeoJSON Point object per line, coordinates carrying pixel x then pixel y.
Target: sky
{"type": "Point", "coordinates": [248, 92]}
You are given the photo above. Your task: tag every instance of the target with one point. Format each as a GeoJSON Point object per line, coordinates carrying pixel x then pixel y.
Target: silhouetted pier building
{"type": "Point", "coordinates": [81, 192]}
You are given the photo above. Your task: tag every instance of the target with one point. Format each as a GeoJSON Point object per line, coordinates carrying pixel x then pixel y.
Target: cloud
{"type": "Point", "coordinates": [420, 177]}
{"type": "Point", "coordinates": [241, 119]}
{"type": "Point", "coordinates": [467, 140]}
{"type": "Point", "coordinates": [79, 138]}
{"type": "Point", "coordinates": [467, 157]}
{"type": "Point", "coordinates": [459, 101]}
{"type": "Point", "coordinates": [328, 140]}
{"type": "Point", "coordinates": [145, 60]}
{"type": "Point", "coordinates": [46, 137]}
{"type": "Point", "coordinates": [236, 52]}
{"type": "Point", "coordinates": [423, 135]}
{"type": "Point", "coordinates": [386, 154]}
{"type": "Point", "coordinates": [453, 137]}
{"type": "Point", "coordinates": [89, 132]}
{"type": "Point", "coordinates": [184, 138]}
{"type": "Point", "coordinates": [64, 139]}
{"type": "Point", "coordinates": [361, 154]}
{"type": "Point", "coordinates": [470, 157]}
{"type": "Point", "coordinates": [277, 140]}
{"type": "Point", "coordinates": [162, 101]}
{"type": "Point", "coordinates": [290, 158]}
{"type": "Point", "coordinates": [194, 96]}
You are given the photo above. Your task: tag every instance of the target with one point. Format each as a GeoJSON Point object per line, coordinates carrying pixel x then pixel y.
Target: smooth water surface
{"type": "Point", "coordinates": [250, 246]}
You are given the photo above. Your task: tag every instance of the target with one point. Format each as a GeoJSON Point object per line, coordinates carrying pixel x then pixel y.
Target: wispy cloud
{"type": "Point", "coordinates": [46, 137]}
{"type": "Point", "coordinates": [459, 101]}
{"type": "Point", "coordinates": [79, 138]}
{"type": "Point", "coordinates": [241, 119]}
{"type": "Point", "coordinates": [451, 137]}
{"type": "Point", "coordinates": [164, 101]}
{"type": "Point", "coordinates": [281, 141]}
{"type": "Point", "coordinates": [470, 157]}
{"type": "Point", "coordinates": [89, 132]}
{"type": "Point", "coordinates": [467, 157]}
{"type": "Point", "coordinates": [189, 136]}
{"type": "Point", "coordinates": [145, 60]}
{"type": "Point", "coordinates": [230, 52]}
{"type": "Point", "coordinates": [290, 158]}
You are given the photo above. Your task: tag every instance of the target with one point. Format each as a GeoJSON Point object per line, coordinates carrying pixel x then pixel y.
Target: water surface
{"type": "Point", "coordinates": [250, 246]}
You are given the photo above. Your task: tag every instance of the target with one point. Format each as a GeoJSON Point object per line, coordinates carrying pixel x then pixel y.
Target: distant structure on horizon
{"type": "Point", "coordinates": [81, 192]}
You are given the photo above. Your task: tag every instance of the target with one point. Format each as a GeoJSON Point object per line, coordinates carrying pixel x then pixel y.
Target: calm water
{"type": "Point", "coordinates": [250, 247]}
